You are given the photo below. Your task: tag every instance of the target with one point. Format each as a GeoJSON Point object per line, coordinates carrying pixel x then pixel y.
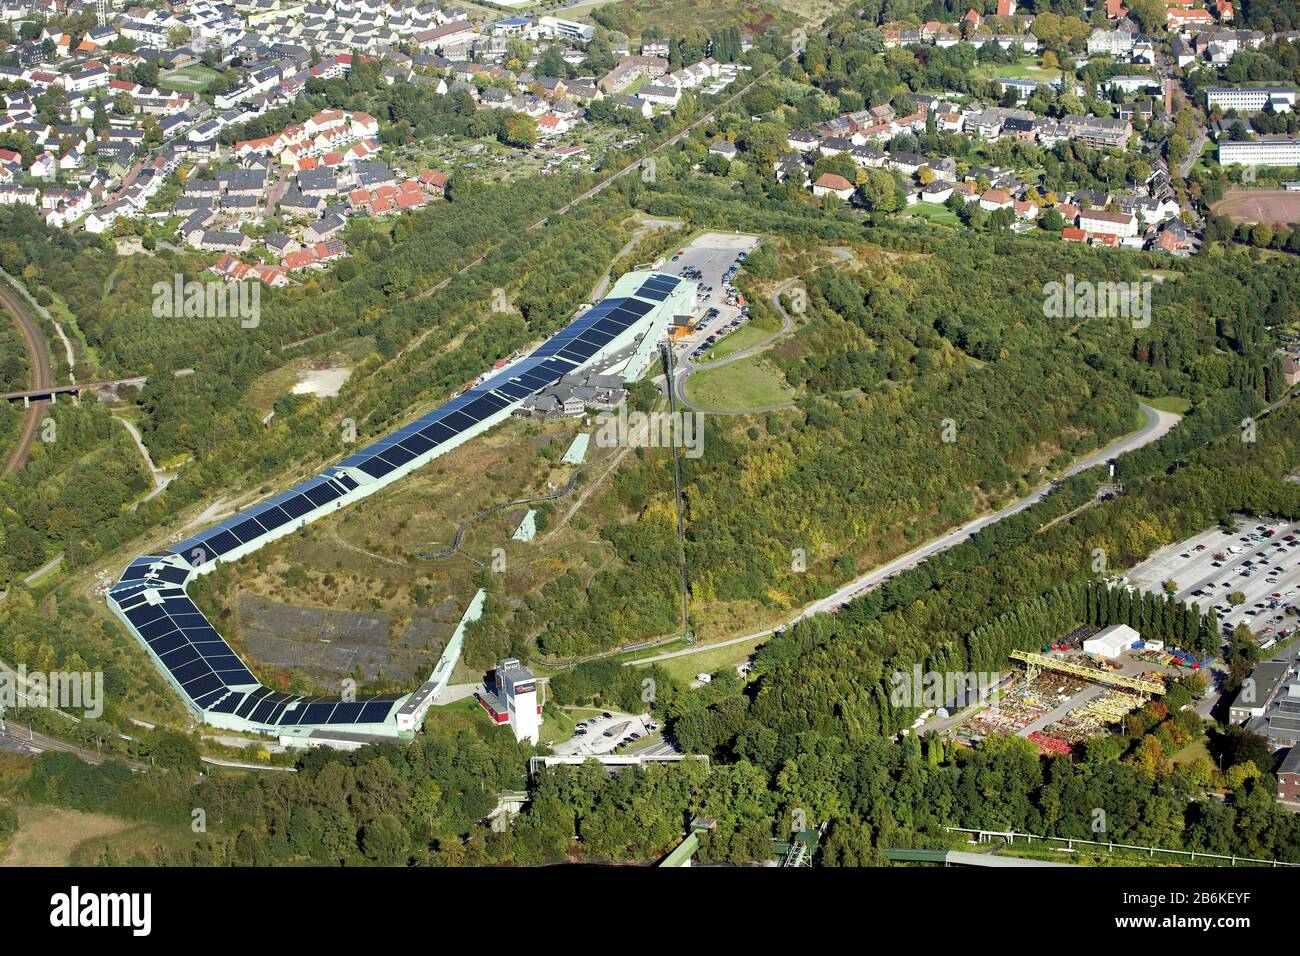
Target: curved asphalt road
{"type": "Point", "coordinates": [689, 367]}
{"type": "Point", "coordinates": [1157, 425]}
{"type": "Point", "coordinates": [38, 358]}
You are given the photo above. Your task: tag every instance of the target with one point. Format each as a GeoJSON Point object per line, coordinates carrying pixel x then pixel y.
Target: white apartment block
{"type": "Point", "coordinates": [1250, 98]}
{"type": "Point", "coordinates": [1265, 151]}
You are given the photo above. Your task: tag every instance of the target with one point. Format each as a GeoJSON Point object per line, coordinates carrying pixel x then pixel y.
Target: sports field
{"type": "Point", "coordinates": [1273, 206]}
{"type": "Point", "coordinates": [190, 79]}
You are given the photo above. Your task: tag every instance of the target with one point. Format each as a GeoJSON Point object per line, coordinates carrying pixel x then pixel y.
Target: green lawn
{"type": "Point", "coordinates": [191, 79]}
{"type": "Point", "coordinates": [934, 212]}
{"type": "Point", "coordinates": [749, 383]}
{"type": "Point", "coordinates": [709, 662]}
{"type": "Point", "coordinates": [1170, 403]}
{"type": "Point", "coordinates": [1026, 69]}
{"type": "Point", "coordinates": [556, 725]}
{"type": "Point", "coordinates": [747, 335]}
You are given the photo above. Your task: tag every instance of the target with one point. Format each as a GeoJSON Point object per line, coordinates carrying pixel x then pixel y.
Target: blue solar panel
{"type": "Point", "coordinates": [347, 713]}
{"type": "Point", "coordinates": [202, 685]}
{"type": "Point", "coordinates": [228, 705]}
{"type": "Point", "coordinates": [213, 547]}
{"type": "Point", "coordinates": [188, 671]}
{"type": "Point", "coordinates": [297, 506]}
{"type": "Point", "coordinates": [273, 517]}
{"type": "Point", "coordinates": [155, 628]}
{"type": "Point", "coordinates": [322, 494]}
{"type": "Point", "coordinates": [173, 575]}
{"type": "Point", "coordinates": [514, 390]}
{"type": "Point", "coordinates": [250, 702]}
{"type": "Point", "coordinates": [376, 467]}
{"type": "Point", "coordinates": [417, 443]}
{"type": "Point", "coordinates": [437, 433]}
{"type": "Point", "coordinates": [399, 455]}
{"type": "Point", "coordinates": [262, 712]}
{"type": "Point", "coordinates": [211, 697]}
{"type": "Point", "coordinates": [313, 713]}
{"type": "Point", "coordinates": [196, 655]}
{"type": "Point", "coordinates": [375, 712]}
{"type": "Point", "coordinates": [458, 422]}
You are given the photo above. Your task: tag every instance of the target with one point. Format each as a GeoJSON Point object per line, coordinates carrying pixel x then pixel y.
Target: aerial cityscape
{"type": "Point", "coordinates": [640, 434]}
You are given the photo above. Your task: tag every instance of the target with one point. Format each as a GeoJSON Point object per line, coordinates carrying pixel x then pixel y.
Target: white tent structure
{"type": "Point", "coordinates": [1112, 641]}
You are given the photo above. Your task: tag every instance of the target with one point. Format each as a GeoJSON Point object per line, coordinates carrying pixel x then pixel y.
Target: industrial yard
{"type": "Point", "coordinates": [1076, 688]}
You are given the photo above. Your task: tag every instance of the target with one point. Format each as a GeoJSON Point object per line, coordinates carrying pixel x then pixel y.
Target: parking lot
{"type": "Point", "coordinates": [707, 261]}
{"type": "Point", "coordinates": [1261, 559]}
{"type": "Point", "coordinates": [605, 733]}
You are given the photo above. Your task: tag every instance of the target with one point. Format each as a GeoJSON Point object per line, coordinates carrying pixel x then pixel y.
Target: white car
{"type": "Point", "coordinates": [704, 678]}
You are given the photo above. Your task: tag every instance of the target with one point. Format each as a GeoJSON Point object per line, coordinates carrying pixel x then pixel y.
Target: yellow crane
{"type": "Point", "coordinates": [1035, 662]}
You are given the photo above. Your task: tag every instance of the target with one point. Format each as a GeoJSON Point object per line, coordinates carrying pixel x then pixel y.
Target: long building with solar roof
{"type": "Point", "coordinates": [209, 676]}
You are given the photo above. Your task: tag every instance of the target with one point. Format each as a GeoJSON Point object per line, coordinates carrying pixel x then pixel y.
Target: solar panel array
{"type": "Point", "coordinates": [208, 671]}
{"type": "Point", "coordinates": [151, 595]}
{"type": "Point", "coordinates": [221, 539]}
{"type": "Point", "coordinates": [189, 647]}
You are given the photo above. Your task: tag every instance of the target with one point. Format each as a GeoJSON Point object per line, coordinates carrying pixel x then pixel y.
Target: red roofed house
{"type": "Point", "coordinates": [231, 268]}
{"type": "Point", "coordinates": [1180, 18]}
{"type": "Point", "coordinates": [434, 180]}
{"type": "Point", "coordinates": [1168, 242]}
{"type": "Point", "coordinates": [994, 199]}
{"type": "Point", "coordinates": [1071, 234]}
{"type": "Point", "coordinates": [1006, 8]}
{"type": "Point", "coordinates": [832, 185]}
{"type": "Point", "coordinates": [1224, 9]}
{"type": "Point", "coordinates": [297, 261]}
{"type": "Point", "coordinates": [271, 275]}
{"type": "Point", "coordinates": [329, 249]}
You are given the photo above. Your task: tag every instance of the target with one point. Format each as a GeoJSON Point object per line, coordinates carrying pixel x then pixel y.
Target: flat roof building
{"type": "Point", "coordinates": [1112, 641]}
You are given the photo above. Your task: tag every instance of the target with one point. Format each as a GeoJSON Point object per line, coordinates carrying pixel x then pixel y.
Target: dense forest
{"type": "Point", "coordinates": [942, 329]}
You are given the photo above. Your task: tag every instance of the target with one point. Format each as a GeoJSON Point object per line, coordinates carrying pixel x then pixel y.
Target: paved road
{"type": "Point", "coordinates": [1157, 425]}
{"type": "Point", "coordinates": [689, 368]}
{"type": "Point", "coordinates": [38, 358]}
{"type": "Point", "coordinates": [1185, 166]}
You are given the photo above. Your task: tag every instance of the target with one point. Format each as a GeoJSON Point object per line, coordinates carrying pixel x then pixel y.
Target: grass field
{"type": "Point", "coordinates": [191, 79]}
{"type": "Point", "coordinates": [754, 16]}
{"type": "Point", "coordinates": [749, 383]}
{"type": "Point", "coordinates": [747, 335]}
{"type": "Point", "coordinates": [709, 662]}
{"type": "Point", "coordinates": [1170, 403]}
{"type": "Point", "coordinates": [377, 557]}
{"type": "Point", "coordinates": [1026, 69]}
{"type": "Point", "coordinates": [51, 836]}
{"type": "Point", "coordinates": [934, 212]}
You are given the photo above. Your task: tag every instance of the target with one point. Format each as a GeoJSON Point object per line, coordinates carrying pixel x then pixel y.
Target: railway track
{"type": "Point", "coordinates": [38, 357]}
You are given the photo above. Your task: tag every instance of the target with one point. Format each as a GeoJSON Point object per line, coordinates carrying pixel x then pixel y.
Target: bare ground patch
{"type": "Point", "coordinates": [1273, 206]}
